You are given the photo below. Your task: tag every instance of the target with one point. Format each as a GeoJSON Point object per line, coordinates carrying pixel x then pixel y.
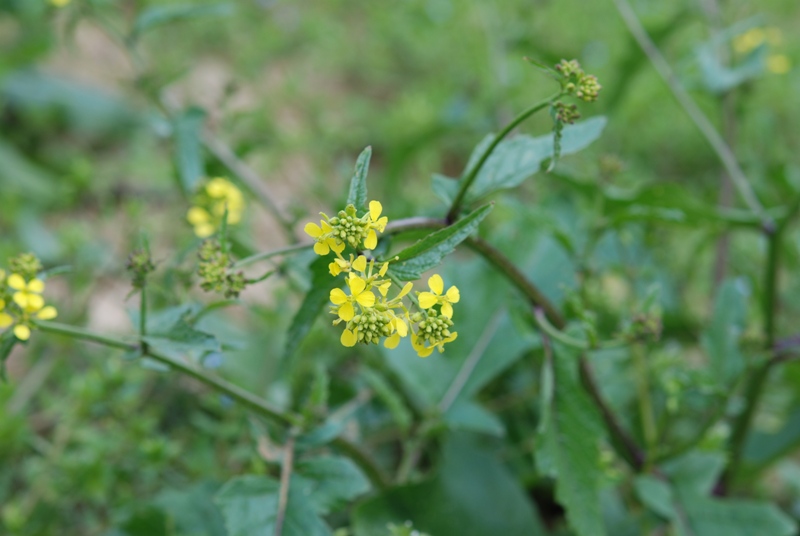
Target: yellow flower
{"type": "Point", "coordinates": [5, 318]}
{"type": "Point", "coordinates": [358, 294]}
{"type": "Point", "coordinates": [201, 220]}
{"type": "Point", "coordinates": [325, 241]}
{"type": "Point", "coordinates": [778, 64]}
{"type": "Point", "coordinates": [217, 196]}
{"type": "Point", "coordinates": [375, 223]}
{"type": "Point", "coordinates": [28, 295]}
{"type": "Point", "coordinates": [59, 3]}
{"type": "Point", "coordinates": [429, 299]}
{"type": "Point", "coordinates": [399, 329]}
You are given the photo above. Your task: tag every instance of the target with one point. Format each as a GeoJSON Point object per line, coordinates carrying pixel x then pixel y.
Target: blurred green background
{"type": "Point", "coordinates": [92, 444]}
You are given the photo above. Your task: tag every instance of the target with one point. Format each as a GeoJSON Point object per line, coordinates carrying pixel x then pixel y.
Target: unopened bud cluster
{"type": "Point", "coordinates": [216, 271]}
{"type": "Point", "coordinates": [575, 81]}
{"type": "Point", "coordinates": [566, 113]}
{"type": "Point", "coordinates": [140, 264]}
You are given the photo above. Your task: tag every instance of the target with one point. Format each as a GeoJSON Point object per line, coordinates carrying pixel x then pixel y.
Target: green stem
{"type": "Point", "coordinates": [364, 461]}
{"type": "Point", "coordinates": [297, 248]}
{"type": "Point", "coordinates": [645, 404]}
{"type": "Point", "coordinates": [560, 336]}
{"type": "Point", "coordinates": [467, 181]}
{"type": "Point", "coordinates": [143, 316]}
{"type": "Point", "coordinates": [247, 399]}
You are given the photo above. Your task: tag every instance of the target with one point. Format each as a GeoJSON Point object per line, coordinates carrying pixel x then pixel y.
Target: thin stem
{"type": "Point", "coordinates": [560, 336]}
{"type": "Point", "coordinates": [364, 462]}
{"type": "Point", "coordinates": [297, 248]}
{"type": "Point", "coordinates": [700, 120]}
{"type": "Point", "coordinates": [247, 399]}
{"type": "Point", "coordinates": [286, 477]}
{"type": "Point", "coordinates": [645, 404]}
{"type": "Point", "coordinates": [143, 315]}
{"type": "Point", "coordinates": [467, 181]}
{"type": "Point", "coordinates": [471, 362]}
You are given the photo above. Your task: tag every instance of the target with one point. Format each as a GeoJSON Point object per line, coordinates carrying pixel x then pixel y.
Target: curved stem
{"type": "Point", "coordinates": [560, 336]}
{"type": "Point", "coordinates": [467, 181]}
{"type": "Point", "coordinates": [297, 248]}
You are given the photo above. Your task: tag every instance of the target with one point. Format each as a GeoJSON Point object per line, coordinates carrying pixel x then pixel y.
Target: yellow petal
{"type": "Point", "coordinates": [312, 229]}
{"type": "Point", "coordinates": [335, 245]}
{"type": "Point", "coordinates": [367, 299]}
{"type": "Point", "coordinates": [381, 223]}
{"type": "Point", "coordinates": [424, 351]}
{"type": "Point", "coordinates": [16, 282]}
{"type": "Point", "coordinates": [346, 312]}
{"type": "Point", "coordinates": [204, 230]}
{"type": "Point", "coordinates": [371, 240]}
{"type": "Point", "coordinates": [356, 284]}
{"type": "Point", "coordinates": [234, 216]}
{"type": "Point", "coordinates": [436, 284]}
{"type": "Point", "coordinates": [36, 285]}
{"type": "Point", "coordinates": [21, 299]}
{"type": "Point", "coordinates": [326, 227]}
{"type": "Point", "coordinates": [348, 338]}
{"type": "Point", "coordinates": [23, 333]}
{"type": "Point", "coordinates": [447, 310]}
{"type": "Point", "coordinates": [2, 304]}
{"type": "Point", "coordinates": [401, 327]}
{"type": "Point", "coordinates": [427, 300]}
{"type": "Point", "coordinates": [406, 289]}
{"type": "Point", "coordinates": [779, 64]}
{"type": "Point", "coordinates": [338, 296]}
{"type": "Point", "coordinates": [48, 313]}
{"type": "Point", "coordinates": [375, 209]}
{"type": "Point", "coordinates": [35, 302]}
{"type": "Point", "coordinates": [453, 336]}
{"type": "Point", "coordinates": [453, 295]}
{"type": "Point", "coordinates": [334, 269]}
{"type": "Point", "coordinates": [360, 263]}
{"type": "Point", "coordinates": [383, 269]}
{"type": "Point", "coordinates": [197, 215]}
{"type": "Point", "coordinates": [392, 342]}
{"type": "Point", "coordinates": [383, 288]}
{"type": "Point", "coordinates": [5, 320]}
{"type": "Point", "coordinates": [322, 248]}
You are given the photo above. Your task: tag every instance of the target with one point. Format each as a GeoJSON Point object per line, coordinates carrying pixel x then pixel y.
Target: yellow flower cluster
{"type": "Point", "coordinates": [756, 37]}
{"type": "Point", "coordinates": [210, 204]}
{"type": "Point", "coordinates": [21, 302]}
{"type": "Point", "coordinates": [369, 318]}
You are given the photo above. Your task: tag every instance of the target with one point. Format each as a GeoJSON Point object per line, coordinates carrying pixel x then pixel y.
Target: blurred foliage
{"type": "Point", "coordinates": [113, 112]}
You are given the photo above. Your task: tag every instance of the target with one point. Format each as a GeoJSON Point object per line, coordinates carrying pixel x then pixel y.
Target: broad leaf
{"type": "Point", "coordinates": [315, 299]}
{"type": "Point", "coordinates": [472, 494]}
{"type": "Point", "coordinates": [180, 337]}
{"type": "Point", "coordinates": [516, 159]}
{"type": "Point", "coordinates": [189, 149]}
{"type": "Point", "coordinates": [358, 184]}
{"type": "Point", "coordinates": [249, 505]}
{"type": "Point", "coordinates": [330, 482]}
{"type": "Point", "coordinates": [721, 339]}
{"type": "Point", "coordinates": [155, 16]}
{"type": "Point", "coordinates": [429, 252]}
{"type": "Point", "coordinates": [570, 431]}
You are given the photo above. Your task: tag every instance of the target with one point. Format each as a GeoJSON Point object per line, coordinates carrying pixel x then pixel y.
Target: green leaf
{"type": "Point", "coordinates": [411, 262]}
{"type": "Point", "coordinates": [249, 505]}
{"type": "Point", "coordinates": [471, 417]}
{"type": "Point", "coordinates": [656, 494]}
{"type": "Point", "coordinates": [181, 338]}
{"type": "Point", "coordinates": [721, 339]}
{"type": "Point", "coordinates": [7, 343]}
{"type": "Point", "coordinates": [315, 299]}
{"type": "Point", "coordinates": [189, 149]}
{"type": "Point", "coordinates": [156, 16]}
{"type": "Point", "coordinates": [191, 510]}
{"type": "Point", "coordinates": [330, 482]}
{"type": "Point", "coordinates": [472, 494]}
{"type": "Point", "coordinates": [386, 394]}
{"type": "Point", "coordinates": [358, 184]}
{"type": "Point", "coordinates": [518, 158]}
{"type": "Point", "coordinates": [570, 431]}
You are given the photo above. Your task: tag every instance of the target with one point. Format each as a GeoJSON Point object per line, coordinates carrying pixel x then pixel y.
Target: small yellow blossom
{"type": "Point", "coordinates": [429, 299]}
{"type": "Point", "coordinates": [59, 3]}
{"type": "Point", "coordinates": [325, 242]}
{"type": "Point", "coordinates": [5, 318]}
{"type": "Point", "coordinates": [779, 64]}
{"type": "Point", "coordinates": [358, 294]}
{"type": "Point", "coordinates": [211, 202]}
{"type": "Point", "coordinates": [347, 228]}
{"type": "Point", "coordinates": [28, 295]}
{"type": "Point", "coordinates": [376, 223]}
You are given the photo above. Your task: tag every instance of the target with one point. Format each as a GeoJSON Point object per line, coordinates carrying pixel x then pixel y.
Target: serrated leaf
{"type": "Point", "coordinates": [429, 252]}
{"type": "Point", "coordinates": [181, 337]}
{"type": "Point", "coordinates": [569, 433]}
{"type": "Point", "coordinates": [721, 339]}
{"type": "Point", "coordinates": [249, 505]}
{"type": "Point", "coordinates": [330, 482]}
{"type": "Point", "coordinates": [156, 16]}
{"type": "Point", "coordinates": [472, 494]}
{"type": "Point", "coordinates": [518, 158]}
{"type": "Point", "coordinates": [358, 184]}
{"type": "Point", "coordinates": [314, 301]}
{"type": "Point", "coordinates": [188, 148]}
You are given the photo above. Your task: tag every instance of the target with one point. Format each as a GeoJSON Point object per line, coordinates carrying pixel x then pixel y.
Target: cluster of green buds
{"type": "Point", "coordinates": [575, 81]}
{"type": "Point", "coordinates": [347, 228]}
{"type": "Point", "coordinates": [369, 318]}
{"type": "Point", "coordinates": [566, 113]}
{"type": "Point", "coordinates": [216, 270]}
{"type": "Point", "coordinates": [140, 264]}
{"type": "Point", "coordinates": [21, 301]}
